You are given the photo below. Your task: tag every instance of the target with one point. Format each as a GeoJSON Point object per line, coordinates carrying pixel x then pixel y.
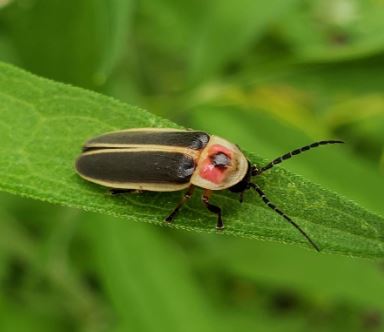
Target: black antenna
{"type": "Point", "coordinates": [257, 171]}
{"type": "Point", "coordinates": [274, 208]}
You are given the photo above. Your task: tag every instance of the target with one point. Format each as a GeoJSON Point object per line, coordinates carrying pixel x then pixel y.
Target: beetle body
{"type": "Point", "coordinates": [153, 159]}
{"type": "Point", "coordinates": [161, 160]}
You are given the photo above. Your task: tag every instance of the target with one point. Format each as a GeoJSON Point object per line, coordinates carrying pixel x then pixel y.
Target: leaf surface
{"type": "Point", "coordinates": [43, 125]}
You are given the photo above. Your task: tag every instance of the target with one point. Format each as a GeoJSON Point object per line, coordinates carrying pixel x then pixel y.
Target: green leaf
{"type": "Point", "coordinates": [43, 125]}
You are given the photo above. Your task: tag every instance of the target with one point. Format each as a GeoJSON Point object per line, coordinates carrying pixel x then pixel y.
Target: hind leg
{"type": "Point", "coordinates": [213, 208]}
{"type": "Point", "coordinates": [124, 191]}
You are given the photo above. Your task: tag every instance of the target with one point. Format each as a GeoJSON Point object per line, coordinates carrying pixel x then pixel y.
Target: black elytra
{"type": "Point", "coordinates": [149, 166]}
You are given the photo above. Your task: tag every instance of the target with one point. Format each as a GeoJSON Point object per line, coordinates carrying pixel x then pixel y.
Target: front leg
{"type": "Point", "coordinates": [213, 208]}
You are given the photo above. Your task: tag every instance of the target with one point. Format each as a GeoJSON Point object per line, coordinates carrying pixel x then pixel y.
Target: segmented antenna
{"type": "Point", "coordinates": [289, 155]}
{"type": "Point", "coordinates": [274, 208]}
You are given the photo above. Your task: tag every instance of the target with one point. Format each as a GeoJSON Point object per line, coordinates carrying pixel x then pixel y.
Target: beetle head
{"type": "Point", "coordinates": [243, 185]}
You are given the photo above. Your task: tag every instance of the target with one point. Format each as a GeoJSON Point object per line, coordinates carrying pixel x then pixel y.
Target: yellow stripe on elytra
{"type": "Point", "coordinates": [141, 148]}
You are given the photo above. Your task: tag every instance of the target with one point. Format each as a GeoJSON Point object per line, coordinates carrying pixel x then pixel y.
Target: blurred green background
{"type": "Point", "coordinates": [268, 75]}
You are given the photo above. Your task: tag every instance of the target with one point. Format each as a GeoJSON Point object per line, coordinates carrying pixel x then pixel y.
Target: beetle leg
{"type": "Point", "coordinates": [124, 191]}
{"type": "Point", "coordinates": [241, 198]}
{"type": "Point", "coordinates": [213, 208]}
{"type": "Point", "coordinates": [185, 198]}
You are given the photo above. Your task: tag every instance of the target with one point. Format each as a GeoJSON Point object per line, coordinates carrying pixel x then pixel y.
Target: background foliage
{"type": "Point", "coordinates": [269, 76]}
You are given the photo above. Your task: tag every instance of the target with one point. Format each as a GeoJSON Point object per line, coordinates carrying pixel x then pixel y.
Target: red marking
{"type": "Point", "coordinates": [210, 172]}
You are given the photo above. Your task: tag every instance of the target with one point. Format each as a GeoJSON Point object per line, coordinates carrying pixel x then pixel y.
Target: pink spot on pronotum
{"type": "Point", "coordinates": [208, 170]}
